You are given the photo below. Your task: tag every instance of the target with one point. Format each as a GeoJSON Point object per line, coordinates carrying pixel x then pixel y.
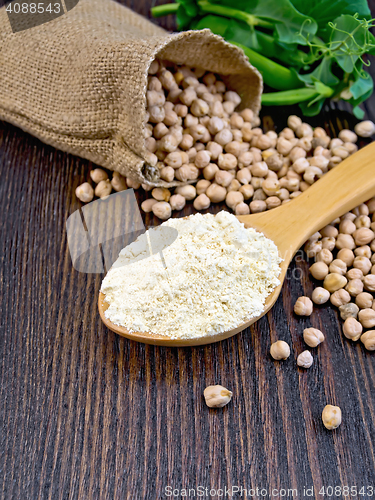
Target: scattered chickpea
{"type": "Point", "coordinates": [319, 270]}
{"type": "Point", "coordinates": [320, 295]}
{"type": "Point", "coordinates": [368, 340]}
{"type": "Point", "coordinates": [367, 317]}
{"type": "Point", "coordinates": [303, 306]}
{"type": "Point", "coordinates": [85, 192]}
{"type": "Point", "coordinates": [103, 189]}
{"type": "Point", "coordinates": [217, 396]}
{"type": "Point", "coordinates": [365, 128]}
{"type": "Point", "coordinates": [305, 359]}
{"type": "Point", "coordinates": [313, 337]}
{"type": "Point", "coordinates": [118, 182]}
{"type": "Point", "coordinates": [340, 297]}
{"type": "Point", "coordinates": [349, 310]}
{"type": "Point", "coordinates": [280, 350]}
{"type": "Point", "coordinates": [201, 202]}
{"type": "Point", "coordinates": [334, 281]}
{"type": "Point", "coordinates": [331, 417]}
{"type": "Point", "coordinates": [352, 328]}
{"type": "Point", "coordinates": [162, 210]}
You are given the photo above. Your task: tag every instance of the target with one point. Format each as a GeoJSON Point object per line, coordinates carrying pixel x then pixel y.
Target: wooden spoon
{"type": "Point", "coordinates": [349, 184]}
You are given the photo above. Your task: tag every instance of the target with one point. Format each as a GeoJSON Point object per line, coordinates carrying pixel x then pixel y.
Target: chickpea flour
{"type": "Point", "coordinates": [213, 277]}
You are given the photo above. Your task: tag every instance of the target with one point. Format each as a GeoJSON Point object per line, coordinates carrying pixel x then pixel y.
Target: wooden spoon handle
{"type": "Point", "coordinates": [349, 184]}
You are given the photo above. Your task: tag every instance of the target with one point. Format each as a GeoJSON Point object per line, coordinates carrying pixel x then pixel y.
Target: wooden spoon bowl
{"type": "Point", "coordinates": [349, 184]}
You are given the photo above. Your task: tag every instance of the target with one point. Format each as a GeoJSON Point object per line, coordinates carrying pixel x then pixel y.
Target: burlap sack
{"type": "Point", "coordinates": [79, 81]}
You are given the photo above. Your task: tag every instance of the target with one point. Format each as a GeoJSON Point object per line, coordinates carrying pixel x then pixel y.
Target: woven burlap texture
{"type": "Point", "coordinates": [79, 82]}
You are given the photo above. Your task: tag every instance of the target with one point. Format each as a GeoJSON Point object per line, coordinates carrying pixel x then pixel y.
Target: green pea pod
{"type": "Point", "coordinates": [297, 96]}
{"type": "Point", "coordinates": [275, 75]}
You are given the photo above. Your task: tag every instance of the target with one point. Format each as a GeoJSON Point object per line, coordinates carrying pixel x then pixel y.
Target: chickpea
{"type": "Point", "coordinates": [365, 128]}
{"type": "Point", "coordinates": [331, 417]}
{"type": "Point", "coordinates": [244, 176]}
{"type": "Point", "coordinates": [217, 396]}
{"type": "Point", "coordinates": [275, 162]}
{"type": "Point", "coordinates": [362, 221]}
{"type": "Point", "coordinates": [364, 300]}
{"type": "Point", "coordinates": [312, 248]}
{"type": "Point", "coordinates": [368, 340]}
{"type": "Point", "coordinates": [328, 243]}
{"type": "Point", "coordinates": [201, 202]}
{"type": "Point", "coordinates": [216, 193]}
{"type": "Point", "coordinates": [259, 169]}
{"type": "Point", "coordinates": [340, 297]}
{"type": "Point", "coordinates": [271, 187]}
{"type": "Point", "coordinates": [363, 236]}
{"type": "Point", "coordinates": [245, 159]}
{"type": "Point", "coordinates": [103, 189]}
{"type": "Point", "coordinates": [338, 266]}
{"type": "Point", "coordinates": [369, 282]}
{"type": "Point", "coordinates": [257, 206]}
{"type": "Point", "coordinates": [233, 198]}
{"type": "Point", "coordinates": [312, 174]}
{"type": "Point", "coordinates": [188, 192]}
{"type": "Point", "coordinates": [223, 178]}
{"type": "Point", "coordinates": [247, 190]}
{"type": "Point", "coordinates": [354, 287]}
{"type": "Point", "coordinates": [227, 161]}
{"type": "Point", "coordinates": [363, 251]}
{"type": "Point", "coordinates": [334, 281]}
{"type": "Point", "coordinates": [85, 192]}
{"type": "Point", "coordinates": [148, 204]}
{"type": "Point", "coordinates": [367, 317]}
{"type": "Point", "coordinates": [242, 209]}
{"type": "Point", "coordinates": [349, 310]}
{"type": "Point", "coordinates": [354, 274]}
{"type": "Point", "coordinates": [320, 295]}
{"type": "Point", "coordinates": [345, 241]}
{"type": "Point", "coordinates": [214, 149]}
{"type": "Point", "coordinates": [118, 182]}
{"type": "Point", "coordinates": [329, 232]}
{"type": "Point", "coordinates": [346, 256]}
{"type": "Point", "coordinates": [234, 185]}
{"type": "Point", "coordinates": [280, 350]}
{"type": "Point", "coordinates": [319, 270]}
{"type": "Point", "coordinates": [352, 329]}
{"type": "Point", "coordinates": [187, 172]}
{"type": "Point", "coordinates": [224, 137]}
{"type": "Point", "coordinates": [305, 359]}
{"type": "Point", "coordinates": [162, 210]}
{"type": "Point", "coordinates": [362, 263]}
{"type": "Point", "coordinates": [313, 337]}
{"type": "Point", "coordinates": [324, 256]}
{"type": "Point", "coordinates": [202, 159]}
{"type": "Point", "coordinates": [273, 202]}
{"type": "Point", "coordinates": [210, 171]}
{"type": "Point", "coordinates": [303, 306]}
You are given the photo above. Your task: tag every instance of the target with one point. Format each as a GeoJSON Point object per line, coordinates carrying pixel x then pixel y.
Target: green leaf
{"type": "Point", "coordinates": [182, 17]}
{"type": "Point", "coordinates": [286, 18]}
{"type": "Point", "coordinates": [322, 73]}
{"type": "Point", "coordinates": [309, 109]}
{"type": "Point", "coordinates": [362, 86]}
{"type": "Point", "coordinates": [358, 113]}
{"type": "Point", "coordinates": [348, 37]}
{"type": "Point", "coordinates": [323, 11]}
{"type": "Point", "coordinates": [216, 24]}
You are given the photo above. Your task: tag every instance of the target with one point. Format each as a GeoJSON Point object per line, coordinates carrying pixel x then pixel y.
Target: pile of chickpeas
{"type": "Point", "coordinates": [195, 135]}
{"type": "Point", "coordinates": [344, 254]}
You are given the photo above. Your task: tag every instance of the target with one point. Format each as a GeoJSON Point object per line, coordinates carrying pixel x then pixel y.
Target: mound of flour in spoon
{"type": "Point", "coordinates": [215, 275]}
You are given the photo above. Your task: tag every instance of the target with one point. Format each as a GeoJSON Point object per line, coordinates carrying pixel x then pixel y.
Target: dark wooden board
{"type": "Point", "coordinates": [85, 414]}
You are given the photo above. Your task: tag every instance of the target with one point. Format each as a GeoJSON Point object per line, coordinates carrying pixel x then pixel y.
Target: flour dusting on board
{"type": "Point", "coordinates": [215, 275]}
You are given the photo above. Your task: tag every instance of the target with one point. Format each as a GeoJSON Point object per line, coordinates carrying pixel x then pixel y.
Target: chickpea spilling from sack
{"type": "Point", "coordinates": [195, 135]}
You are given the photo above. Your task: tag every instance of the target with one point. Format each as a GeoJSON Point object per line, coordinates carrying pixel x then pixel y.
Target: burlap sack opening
{"type": "Point", "coordinates": [79, 82]}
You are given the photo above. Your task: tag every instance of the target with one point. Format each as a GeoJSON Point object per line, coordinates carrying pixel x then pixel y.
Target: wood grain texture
{"type": "Point", "coordinates": [85, 414]}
